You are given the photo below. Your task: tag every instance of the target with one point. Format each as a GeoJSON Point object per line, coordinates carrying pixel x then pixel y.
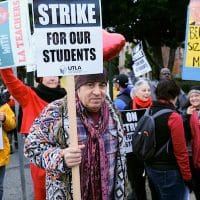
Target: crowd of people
{"type": "Point", "coordinates": [106, 171]}
{"type": "Point", "coordinates": [175, 172]}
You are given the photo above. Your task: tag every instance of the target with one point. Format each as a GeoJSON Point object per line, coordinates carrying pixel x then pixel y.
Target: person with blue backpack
{"type": "Point", "coordinates": [170, 171]}
{"type": "Point", "coordinates": [123, 99]}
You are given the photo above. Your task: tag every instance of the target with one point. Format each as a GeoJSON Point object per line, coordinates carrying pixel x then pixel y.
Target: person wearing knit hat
{"type": "Point", "coordinates": [100, 153]}
{"type": "Point", "coordinates": [194, 89]}
{"type": "Point", "coordinates": [90, 78]}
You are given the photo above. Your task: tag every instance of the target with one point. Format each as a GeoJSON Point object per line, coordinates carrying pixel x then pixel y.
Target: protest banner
{"type": "Point", "coordinates": [191, 66]}
{"type": "Point", "coordinates": [130, 119]}
{"type": "Point", "coordinates": [6, 55]}
{"type": "Point", "coordinates": [140, 64]}
{"type": "Point", "coordinates": [70, 43]}
{"type": "Point", "coordinates": [14, 33]}
{"type": "Point", "coordinates": [70, 37]}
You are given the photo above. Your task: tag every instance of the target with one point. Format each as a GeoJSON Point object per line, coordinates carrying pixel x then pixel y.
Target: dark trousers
{"type": "Point", "coordinates": [196, 180]}
{"type": "Point", "coordinates": [135, 170]}
{"type": "Point", "coordinates": [2, 175]}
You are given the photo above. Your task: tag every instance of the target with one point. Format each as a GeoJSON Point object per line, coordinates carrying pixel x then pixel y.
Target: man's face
{"type": "Point", "coordinates": [92, 95]}
{"type": "Point", "coordinates": [165, 74]}
{"type": "Point", "coordinates": [50, 81]}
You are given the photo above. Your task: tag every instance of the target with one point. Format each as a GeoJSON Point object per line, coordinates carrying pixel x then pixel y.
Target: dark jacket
{"type": "Point", "coordinates": [123, 100]}
{"type": "Point", "coordinates": [175, 156]}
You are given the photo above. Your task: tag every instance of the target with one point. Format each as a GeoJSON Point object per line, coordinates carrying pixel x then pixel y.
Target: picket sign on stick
{"type": "Point", "coordinates": [73, 137]}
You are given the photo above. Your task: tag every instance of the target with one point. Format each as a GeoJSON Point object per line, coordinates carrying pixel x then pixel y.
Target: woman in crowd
{"type": "Point", "coordinates": [141, 98]}
{"type": "Point", "coordinates": [7, 123]}
{"type": "Point", "coordinates": [192, 129]}
{"type": "Point", "coordinates": [170, 170]}
{"type": "Point", "coordinates": [32, 100]}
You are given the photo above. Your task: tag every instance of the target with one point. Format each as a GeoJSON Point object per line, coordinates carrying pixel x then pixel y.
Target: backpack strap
{"type": "Point", "coordinates": [162, 148]}
{"type": "Point", "coordinates": [160, 112]}
{"type": "Point", "coordinates": [163, 111]}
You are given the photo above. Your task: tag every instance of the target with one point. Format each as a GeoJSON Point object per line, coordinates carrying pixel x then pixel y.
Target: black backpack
{"type": "Point", "coordinates": [144, 141]}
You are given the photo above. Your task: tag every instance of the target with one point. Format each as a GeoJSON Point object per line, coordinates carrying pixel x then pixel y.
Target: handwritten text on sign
{"type": "Point", "coordinates": [71, 37]}
{"type": "Point", "coordinates": [193, 47]}
{"type": "Point", "coordinates": [193, 35]}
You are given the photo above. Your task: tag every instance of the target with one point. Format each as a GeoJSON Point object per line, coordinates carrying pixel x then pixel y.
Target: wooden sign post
{"type": "Point", "coordinates": [71, 106]}
{"type": "Point", "coordinates": [70, 44]}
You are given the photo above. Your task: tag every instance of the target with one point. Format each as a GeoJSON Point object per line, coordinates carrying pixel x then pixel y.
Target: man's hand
{"type": "Point", "coordinates": [73, 156]}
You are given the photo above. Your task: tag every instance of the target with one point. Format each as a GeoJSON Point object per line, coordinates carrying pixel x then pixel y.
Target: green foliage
{"type": "Point", "coordinates": [186, 85]}
{"type": "Point", "coordinates": [154, 22]}
{"type": "Point", "coordinates": [128, 60]}
{"type": "Point", "coordinates": [158, 22]}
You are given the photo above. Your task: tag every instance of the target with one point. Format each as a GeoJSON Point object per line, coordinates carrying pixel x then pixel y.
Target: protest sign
{"type": "Point", "coordinates": [14, 33]}
{"type": "Point", "coordinates": [6, 54]}
{"type": "Point", "coordinates": [130, 119]}
{"type": "Point", "coordinates": [68, 41]}
{"type": "Point", "coordinates": [140, 64]}
{"type": "Point", "coordinates": [70, 37]}
{"type": "Point", "coordinates": [191, 66]}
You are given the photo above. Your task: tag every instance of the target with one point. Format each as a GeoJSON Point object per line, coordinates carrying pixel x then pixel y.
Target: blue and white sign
{"type": "Point", "coordinates": [68, 37]}
{"type": "Point", "coordinates": [14, 33]}
{"type": "Point", "coordinates": [6, 54]}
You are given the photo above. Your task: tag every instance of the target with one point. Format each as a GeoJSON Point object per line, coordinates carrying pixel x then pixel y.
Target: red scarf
{"type": "Point", "coordinates": [94, 165]}
{"type": "Point", "coordinates": [138, 103]}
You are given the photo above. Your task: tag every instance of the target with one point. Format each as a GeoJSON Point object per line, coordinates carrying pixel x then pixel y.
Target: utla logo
{"type": "Point", "coordinates": [3, 15]}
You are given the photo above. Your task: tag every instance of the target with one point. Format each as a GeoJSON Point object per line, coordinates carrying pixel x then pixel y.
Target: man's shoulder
{"type": "Point", "coordinates": [124, 101]}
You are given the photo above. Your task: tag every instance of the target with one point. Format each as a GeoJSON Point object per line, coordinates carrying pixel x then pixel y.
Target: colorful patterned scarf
{"type": "Point", "coordinates": [138, 103]}
{"type": "Point", "coordinates": [94, 169]}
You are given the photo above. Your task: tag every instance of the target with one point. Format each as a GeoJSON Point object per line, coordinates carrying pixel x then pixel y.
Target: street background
{"type": "Point", "coordinates": [12, 182]}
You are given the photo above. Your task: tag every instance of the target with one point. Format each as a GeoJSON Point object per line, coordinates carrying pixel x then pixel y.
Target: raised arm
{"type": "Point", "coordinates": [15, 86]}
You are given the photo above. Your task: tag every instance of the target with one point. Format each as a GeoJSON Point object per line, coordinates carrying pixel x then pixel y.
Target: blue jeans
{"type": "Point", "coordinates": [2, 174]}
{"type": "Point", "coordinates": [168, 184]}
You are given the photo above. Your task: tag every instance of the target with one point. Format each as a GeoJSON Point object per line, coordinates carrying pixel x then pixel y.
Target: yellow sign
{"type": "Point", "coordinates": [193, 36]}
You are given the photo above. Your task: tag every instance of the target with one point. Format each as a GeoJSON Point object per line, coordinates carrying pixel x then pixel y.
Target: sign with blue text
{"type": "Point", "coordinates": [68, 37]}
